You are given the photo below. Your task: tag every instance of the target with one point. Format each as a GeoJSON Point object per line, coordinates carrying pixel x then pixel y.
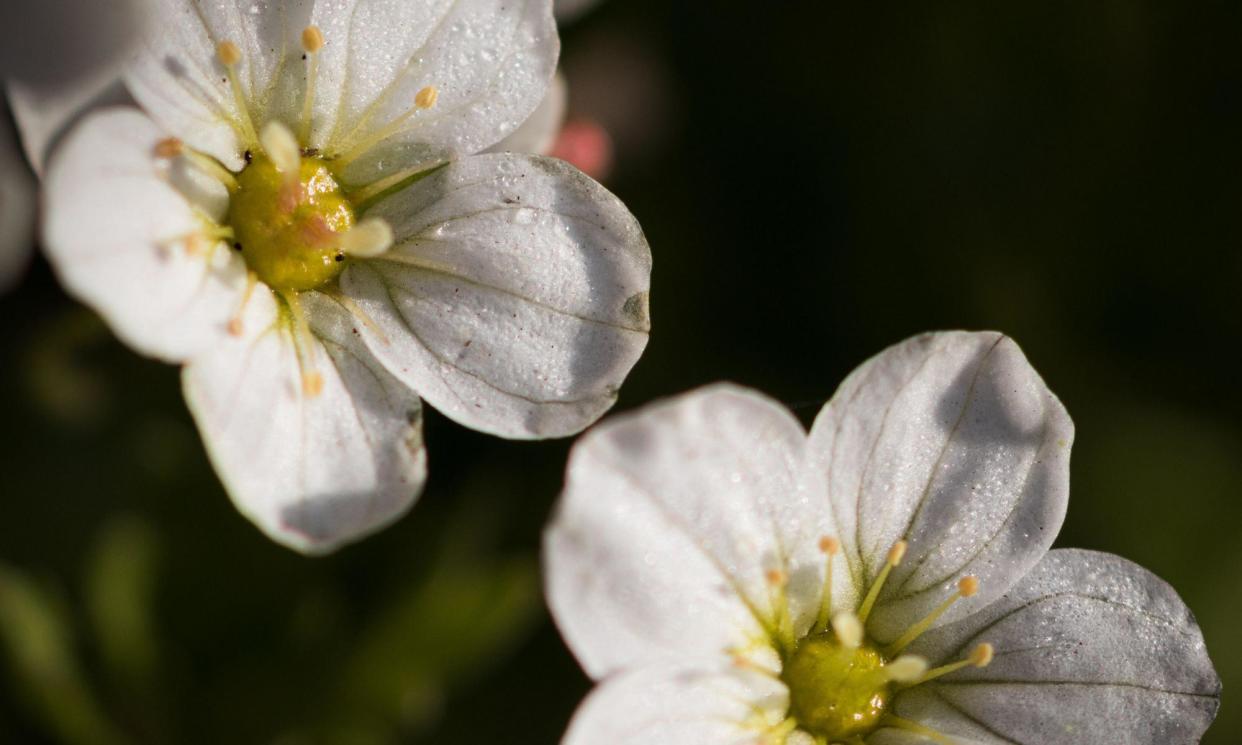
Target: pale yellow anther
{"type": "Point", "coordinates": [367, 239]}
{"type": "Point", "coordinates": [897, 553]}
{"type": "Point", "coordinates": [312, 384]}
{"type": "Point", "coordinates": [279, 144]}
{"type": "Point", "coordinates": [169, 147]}
{"type": "Point", "coordinates": [905, 668]}
{"type": "Point", "coordinates": [848, 628]}
{"type": "Point", "coordinates": [829, 545]}
{"type": "Point", "coordinates": [228, 53]}
{"type": "Point", "coordinates": [426, 98]}
{"type": "Point", "coordinates": [777, 578]}
{"type": "Point", "coordinates": [968, 585]}
{"type": "Point", "coordinates": [981, 656]}
{"type": "Point", "coordinates": [312, 39]}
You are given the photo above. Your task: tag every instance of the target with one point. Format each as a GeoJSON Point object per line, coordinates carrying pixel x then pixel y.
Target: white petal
{"type": "Point", "coordinates": [539, 132]}
{"type": "Point", "coordinates": [17, 209]}
{"type": "Point", "coordinates": [178, 80]}
{"type": "Point", "coordinates": [1090, 648]}
{"type": "Point", "coordinates": [685, 706]}
{"type": "Point", "coordinates": [312, 472]}
{"type": "Point", "coordinates": [115, 230]}
{"type": "Point", "coordinates": [952, 442]}
{"type": "Point", "coordinates": [515, 300]}
{"type": "Point", "coordinates": [489, 60]}
{"type": "Point", "coordinates": [45, 113]}
{"type": "Point", "coordinates": [671, 520]}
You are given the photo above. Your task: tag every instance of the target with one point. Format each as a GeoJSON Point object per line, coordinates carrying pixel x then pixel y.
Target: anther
{"type": "Point", "coordinates": [427, 97]}
{"type": "Point", "coordinates": [169, 147]}
{"type": "Point", "coordinates": [848, 629]}
{"type": "Point", "coordinates": [981, 656]}
{"type": "Point", "coordinates": [228, 53]}
{"type": "Point", "coordinates": [312, 384]}
{"type": "Point", "coordinates": [777, 578]}
{"type": "Point", "coordinates": [312, 39]}
{"type": "Point", "coordinates": [895, 555]}
{"type": "Point", "coordinates": [966, 587]}
{"type": "Point", "coordinates": [367, 239]}
{"type": "Point", "coordinates": [829, 545]}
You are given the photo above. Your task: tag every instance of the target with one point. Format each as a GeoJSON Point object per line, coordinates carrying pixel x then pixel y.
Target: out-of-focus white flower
{"type": "Point", "coordinates": [17, 207]}
{"type": "Point", "coordinates": [569, 10]}
{"type": "Point", "coordinates": [297, 217]}
{"type": "Point", "coordinates": [886, 580]}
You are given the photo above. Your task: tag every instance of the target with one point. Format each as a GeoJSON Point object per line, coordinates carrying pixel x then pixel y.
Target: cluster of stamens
{"type": "Point", "coordinates": [289, 216]}
{"type": "Point", "coordinates": [840, 682]}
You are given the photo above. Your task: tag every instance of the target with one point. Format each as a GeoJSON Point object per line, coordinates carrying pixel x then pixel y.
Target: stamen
{"type": "Point", "coordinates": [966, 587]}
{"type": "Point", "coordinates": [362, 196]}
{"type": "Point", "coordinates": [895, 555]}
{"type": "Point", "coordinates": [235, 323]}
{"type": "Point", "coordinates": [778, 580]}
{"type": "Point", "coordinates": [849, 629]}
{"type": "Point", "coordinates": [423, 100]}
{"type": "Point", "coordinates": [312, 42]}
{"type": "Point", "coordinates": [427, 97]}
{"type": "Point", "coordinates": [283, 149]}
{"type": "Point", "coordinates": [831, 547]}
{"type": "Point", "coordinates": [980, 656]}
{"type": "Point", "coordinates": [896, 722]}
{"type": "Point", "coordinates": [303, 342]}
{"type": "Point", "coordinates": [169, 147]}
{"type": "Point", "coordinates": [367, 239]}
{"type": "Point", "coordinates": [230, 56]}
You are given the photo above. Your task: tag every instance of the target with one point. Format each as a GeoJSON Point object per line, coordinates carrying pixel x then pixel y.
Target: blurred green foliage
{"type": "Point", "coordinates": [824, 179]}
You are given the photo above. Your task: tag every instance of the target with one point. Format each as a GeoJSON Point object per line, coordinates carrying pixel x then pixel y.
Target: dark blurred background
{"type": "Point", "coordinates": [818, 180]}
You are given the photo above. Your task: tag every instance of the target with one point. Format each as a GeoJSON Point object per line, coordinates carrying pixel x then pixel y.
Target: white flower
{"type": "Point", "coordinates": [300, 222]}
{"type": "Point", "coordinates": [885, 580]}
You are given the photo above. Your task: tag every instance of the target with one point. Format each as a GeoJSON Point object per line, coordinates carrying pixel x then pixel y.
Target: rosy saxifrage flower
{"type": "Point", "coordinates": [729, 580]}
{"type": "Point", "coordinates": [296, 216]}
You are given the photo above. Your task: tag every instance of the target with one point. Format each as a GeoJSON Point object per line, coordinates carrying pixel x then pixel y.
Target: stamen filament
{"type": "Point", "coordinates": [312, 42]}
{"type": "Point", "coordinates": [778, 580]}
{"type": "Point", "coordinates": [171, 147]}
{"type": "Point", "coordinates": [980, 656]}
{"type": "Point", "coordinates": [895, 555]}
{"type": "Point", "coordinates": [830, 547]}
{"type": "Point", "coordinates": [423, 100]}
{"type": "Point", "coordinates": [896, 722]}
{"type": "Point", "coordinates": [780, 732]}
{"type": "Point", "coordinates": [362, 196]}
{"type": "Point", "coordinates": [966, 587]}
{"type": "Point", "coordinates": [230, 56]}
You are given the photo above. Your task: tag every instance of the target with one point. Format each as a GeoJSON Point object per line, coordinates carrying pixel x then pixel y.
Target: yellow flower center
{"type": "Point", "coordinates": [288, 226]}
{"type": "Point", "coordinates": [835, 691]}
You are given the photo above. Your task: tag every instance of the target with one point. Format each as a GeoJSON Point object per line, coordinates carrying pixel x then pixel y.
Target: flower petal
{"type": "Point", "coordinates": [686, 706]}
{"type": "Point", "coordinates": [953, 443]}
{"type": "Point", "coordinates": [117, 230]}
{"type": "Point", "coordinates": [490, 62]}
{"type": "Point", "coordinates": [1090, 648]}
{"type": "Point", "coordinates": [515, 300]}
{"type": "Point", "coordinates": [17, 208]}
{"type": "Point", "coordinates": [45, 113]}
{"type": "Point", "coordinates": [539, 132]}
{"type": "Point", "coordinates": [179, 80]}
{"type": "Point", "coordinates": [313, 472]}
{"type": "Point", "coordinates": [671, 522]}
